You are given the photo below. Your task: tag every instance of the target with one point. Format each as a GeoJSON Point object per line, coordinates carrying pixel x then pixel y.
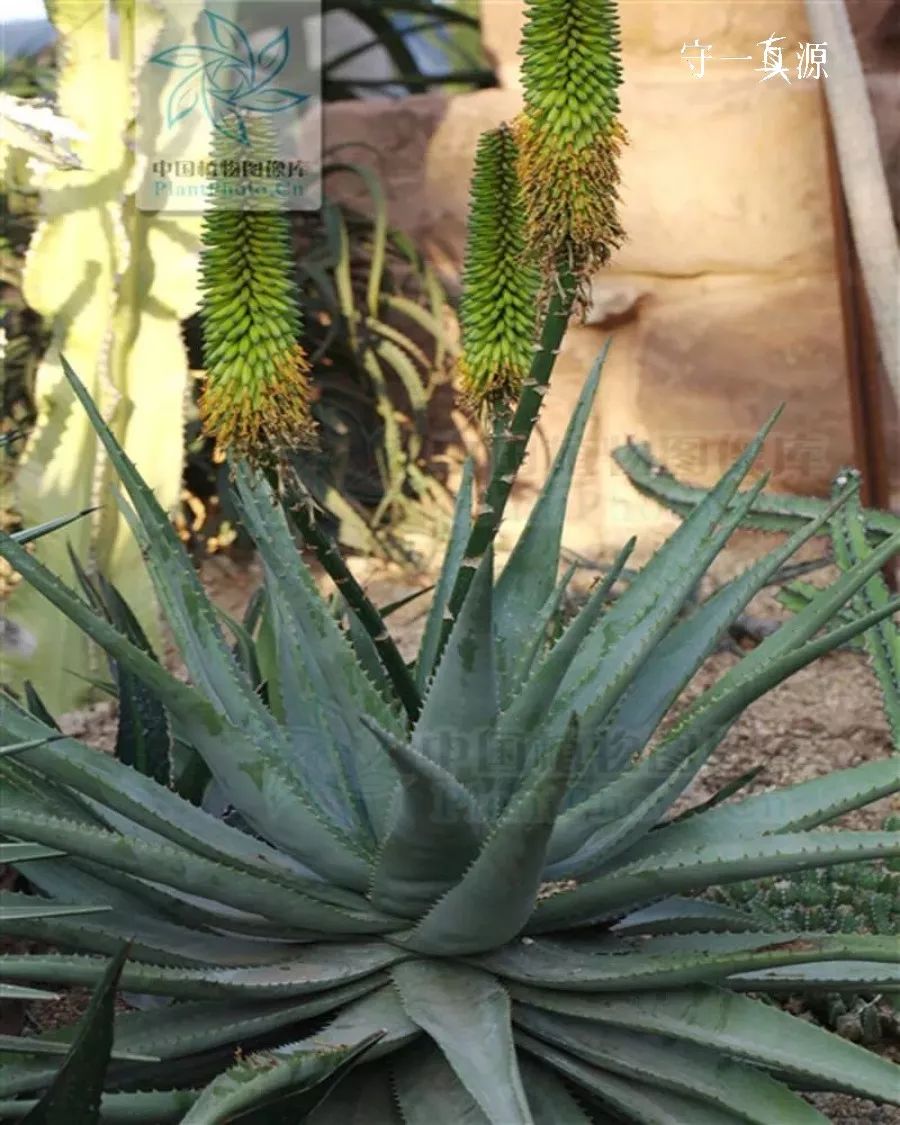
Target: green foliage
{"type": "Point", "coordinates": [500, 300]}
{"type": "Point", "coordinates": [769, 512]}
{"type": "Point", "coordinates": [852, 898]}
{"type": "Point", "coordinates": [508, 862]}
{"type": "Point", "coordinates": [452, 25]}
{"type": "Point", "coordinates": [116, 312]}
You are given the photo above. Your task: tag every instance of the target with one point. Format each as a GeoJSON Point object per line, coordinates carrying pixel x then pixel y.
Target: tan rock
{"type": "Point", "coordinates": [695, 376]}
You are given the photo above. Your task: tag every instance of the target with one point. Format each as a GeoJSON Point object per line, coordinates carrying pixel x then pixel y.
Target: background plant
{"type": "Point", "coordinates": [371, 416]}
{"type": "Point", "coordinates": [121, 327]}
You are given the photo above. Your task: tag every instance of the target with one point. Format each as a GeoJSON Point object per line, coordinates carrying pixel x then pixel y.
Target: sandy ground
{"type": "Point", "coordinates": [825, 717]}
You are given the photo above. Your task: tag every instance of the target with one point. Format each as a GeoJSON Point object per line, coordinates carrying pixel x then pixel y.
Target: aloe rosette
{"type": "Point", "coordinates": [487, 914]}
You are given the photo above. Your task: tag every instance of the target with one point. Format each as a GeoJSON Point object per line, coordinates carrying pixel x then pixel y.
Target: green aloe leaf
{"type": "Point", "coordinates": [675, 569]}
{"type": "Point", "coordinates": [178, 867]}
{"type": "Point", "coordinates": [27, 907]}
{"type": "Point", "coordinates": [517, 724]}
{"type": "Point", "coordinates": [115, 787]}
{"type": "Point", "coordinates": [780, 512]}
{"type": "Point", "coordinates": [685, 1068]}
{"type": "Point", "coordinates": [428, 1090]}
{"type": "Point", "coordinates": [693, 869]}
{"type": "Point", "coordinates": [520, 664]}
{"type": "Point", "coordinates": [436, 833]}
{"type": "Point", "coordinates": [677, 915]}
{"type": "Point", "coordinates": [195, 624]}
{"type": "Point", "coordinates": [496, 896]}
{"type": "Point", "coordinates": [658, 965]}
{"type": "Point", "coordinates": [453, 557]}
{"type": "Point", "coordinates": [30, 1045]}
{"type": "Point", "coordinates": [680, 653]}
{"type": "Point", "coordinates": [143, 738]}
{"type": "Point", "coordinates": [624, 655]}
{"type": "Point", "coordinates": [339, 757]}
{"type": "Point", "coordinates": [467, 1013]}
{"type": "Point", "coordinates": [28, 744]}
{"type": "Point", "coordinates": [881, 643]}
{"type": "Point", "coordinates": [807, 804]}
{"type": "Point", "coordinates": [678, 757]}
{"type": "Point", "coordinates": [189, 1028]}
{"type": "Point", "coordinates": [150, 1107]}
{"type": "Point", "coordinates": [367, 1100]}
{"type": "Point", "coordinates": [840, 976]}
{"type": "Point", "coordinates": [74, 1094]}
{"type": "Point", "coordinates": [30, 534]}
{"type": "Point", "coordinates": [14, 854]}
{"type": "Point", "coordinates": [530, 574]}
{"type": "Point", "coordinates": [320, 967]}
{"type": "Point", "coordinates": [638, 1101]}
{"type": "Point", "coordinates": [550, 1101]}
{"type": "Point", "coordinates": [459, 737]}
{"type": "Point", "coordinates": [20, 992]}
{"type": "Point", "coordinates": [266, 1087]}
{"type": "Point", "coordinates": [758, 1033]}
{"type": "Point", "coordinates": [257, 780]}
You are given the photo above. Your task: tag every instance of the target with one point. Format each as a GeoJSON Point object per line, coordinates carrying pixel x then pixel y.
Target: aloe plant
{"type": "Point", "coordinates": [458, 879]}
{"type": "Point", "coordinates": [486, 907]}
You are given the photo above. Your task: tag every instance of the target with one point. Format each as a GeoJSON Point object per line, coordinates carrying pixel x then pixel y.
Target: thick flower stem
{"type": "Point", "coordinates": [329, 556]}
{"type": "Point", "coordinates": [508, 458]}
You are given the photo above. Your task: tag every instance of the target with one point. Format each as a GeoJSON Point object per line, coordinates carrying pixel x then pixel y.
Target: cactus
{"type": "Point", "coordinates": [769, 512]}
{"type": "Point", "coordinates": [852, 898]}
{"type": "Point", "coordinates": [115, 284]}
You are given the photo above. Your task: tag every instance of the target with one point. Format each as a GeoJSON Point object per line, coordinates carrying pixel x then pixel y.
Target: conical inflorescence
{"type": "Point", "coordinates": [256, 400]}
{"type": "Point", "coordinates": [569, 135]}
{"type": "Point", "coordinates": [501, 282]}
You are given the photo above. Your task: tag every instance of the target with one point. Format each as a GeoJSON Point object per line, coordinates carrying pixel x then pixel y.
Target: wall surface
{"type": "Point", "coordinates": [725, 300]}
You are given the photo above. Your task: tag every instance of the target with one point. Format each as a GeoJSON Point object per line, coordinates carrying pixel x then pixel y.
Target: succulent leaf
{"type": "Point", "coordinates": [530, 574]}
{"type": "Point", "coordinates": [467, 1013]}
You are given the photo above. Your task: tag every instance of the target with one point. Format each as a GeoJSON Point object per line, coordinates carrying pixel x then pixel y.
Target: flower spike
{"type": "Point", "coordinates": [501, 285]}
{"type": "Point", "coordinates": [569, 135]}
{"type": "Point", "coordinates": [257, 397]}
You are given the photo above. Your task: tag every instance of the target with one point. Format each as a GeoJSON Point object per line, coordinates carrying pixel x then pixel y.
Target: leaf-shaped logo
{"type": "Point", "coordinates": [271, 59]}
{"type": "Point", "coordinates": [226, 78]}
{"type": "Point", "coordinates": [187, 56]}
{"type": "Point", "coordinates": [230, 38]}
{"type": "Point", "coordinates": [270, 101]}
{"type": "Point", "coordinates": [183, 99]}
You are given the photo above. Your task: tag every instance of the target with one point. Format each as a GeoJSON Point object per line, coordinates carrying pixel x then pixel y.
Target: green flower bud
{"type": "Point", "coordinates": [257, 395]}
{"type": "Point", "coordinates": [501, 286]}
{"type": "Point", "coordinates": [569, 135]}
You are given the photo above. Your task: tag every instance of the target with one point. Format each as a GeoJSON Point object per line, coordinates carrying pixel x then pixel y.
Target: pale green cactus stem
{"type": "Point", "coordinates": [114, 284]}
